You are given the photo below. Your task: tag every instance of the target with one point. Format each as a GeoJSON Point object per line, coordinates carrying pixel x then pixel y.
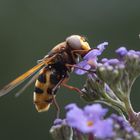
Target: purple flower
{"type": "Point", "coordinates": [128, 55]}
{"type": "Point", "coordinates": [138, 53]}
{"type": "Point", "coordinates": [95, 111]}
{"type": "Point", "coordinates": [103, 128]}
{"type": "Point", "coordinates": [58, 121]}
{"type": "Point", "coordinates": [133, 54]}
{"type": "Point", "coordinates": [90, 59]}
{"type": "Point", "coordinates": [76, 118]}
{"type": "Point", "coordinates": [112, 61]}
{"type": "Point", "coordinates": [124, 126]}
{"type": "Point", "coordinates": [112, 64]}
{"type": "Point", "coordinates": [90, 120]}
{"type": "Point", "coordinates": [104, 60]}
{"type": "Point", "coordinates": [131, 61]}
{"type": "Point", "coordinates": [122, 51]}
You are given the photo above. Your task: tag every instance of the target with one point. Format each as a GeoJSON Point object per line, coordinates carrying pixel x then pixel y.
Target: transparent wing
{"type": "Point", "coordinates": [27, 84]}
{"type": "Point", "coordinates": [20, 79]}
{"type": "Point", "coordinates": [26, 75]}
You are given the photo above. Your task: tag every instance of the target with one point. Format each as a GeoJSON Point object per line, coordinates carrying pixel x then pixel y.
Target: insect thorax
{"type": "Point", "coordinates": [55, 71]}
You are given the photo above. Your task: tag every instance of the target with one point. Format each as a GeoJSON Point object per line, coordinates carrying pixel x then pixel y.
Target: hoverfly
{"type": "Point", "coordinates": [52, 72]}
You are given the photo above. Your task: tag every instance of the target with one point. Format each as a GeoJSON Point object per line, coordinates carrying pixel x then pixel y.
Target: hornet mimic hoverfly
{"type": "Point", "coordinates": [52, 72]}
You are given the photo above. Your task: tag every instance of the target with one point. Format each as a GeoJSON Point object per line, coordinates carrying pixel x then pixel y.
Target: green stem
{"type": "Point", "coordinates": [114, 102]}
{"type": "Point", "coordinates": [130, 112]}
{"type": "Point", "coordinates": [112, 106]}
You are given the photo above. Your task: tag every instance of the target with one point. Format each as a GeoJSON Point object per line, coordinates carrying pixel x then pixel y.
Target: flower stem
{"type": "Point", "coordinates": [130, 112]}
{"type": "Point", "coordinates": [114, 102]}
{"type": "Point", "coordinates": [112, 106]}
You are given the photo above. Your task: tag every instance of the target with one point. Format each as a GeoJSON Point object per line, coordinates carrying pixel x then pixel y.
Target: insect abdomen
{"type": "Point", "coordinates": [47, 80]}
{"type": "Point", "coordinates": [43, 98]}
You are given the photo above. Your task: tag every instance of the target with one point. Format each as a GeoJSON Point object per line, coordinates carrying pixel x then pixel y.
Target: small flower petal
{"type": "Point", "coordinates": [58, 122]}
{"type": "Point", "coordinates": [90, 59]}
{"type": "Point", "coordinates": [104, 60]}
{"type": "Point", "coordinates": [70, 106]}
{"type": "Point", "coordinates": [103, 129]}
{"type": "Point", "coordinates": [76, 119]}
{"type": "Point", "coordinates": [92, 54]}
{"type": "Point", "coordinates": [84, 65]}
{"type": "Point", "coordinates": [102, 46]}
{"type": "Point", "coordinates": [95, 111]}
{"type": "Point", "coordinates": [113, 61]}
{"type": "Point", "coordinates": [84, 120]}
{"type": "Point", "coordinates": [79, 71]}
{"type": "Point", "coordinates": [122, 51]}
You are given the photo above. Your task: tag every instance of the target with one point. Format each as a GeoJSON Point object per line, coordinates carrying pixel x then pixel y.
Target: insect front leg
{"type": "Point", "coordinates": [75, 66]}
{"type": "Point", "coordinates": [81, 52]}
{"type": "Point", "coordinates": [71, 87]}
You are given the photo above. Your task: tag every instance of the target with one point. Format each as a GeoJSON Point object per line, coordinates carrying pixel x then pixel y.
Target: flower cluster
{"type": "Point", "coordinates": [112, 80]}
{"type": "Point", "coordinates": [90, 123]}
{"type": "Point", "coordinates": [61, 131]}
{"type": "Point", "coordinates": [109, 81]}
{"type": "Point", "coordinates": [90, 120]}
{"type": "Point", "coordinates": [131, 59]}
{"type": "Point", "coordinates": [123, 128]}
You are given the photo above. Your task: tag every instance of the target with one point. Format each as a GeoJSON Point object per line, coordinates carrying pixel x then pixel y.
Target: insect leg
{"type": "Point", "coordinates": [58, 84]}
{"type": "Point", "coordinates": [54, 100]}
{"type": "Point", "coordinates": [72, 88]}
{"type": "Point", "coordinates": [57, 107]}
{"type": "Point", "coordinates": [81, 52]}
{"type": "Point", "coordinates": [75, 66]}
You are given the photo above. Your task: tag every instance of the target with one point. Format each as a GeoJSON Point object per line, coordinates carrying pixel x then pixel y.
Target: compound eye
{"type": "Point", "coordinates": [77, 42]}
{"type": "Point", "coordinates": [74, 42]}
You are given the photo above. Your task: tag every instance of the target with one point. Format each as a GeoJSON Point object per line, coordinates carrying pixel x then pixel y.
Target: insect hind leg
{"type": "Point", "coordinates": [53, 95]}
{"type": "Point", "coordinates": [57, 107]}
{"type": "Point", "coordinates": [58, 84]}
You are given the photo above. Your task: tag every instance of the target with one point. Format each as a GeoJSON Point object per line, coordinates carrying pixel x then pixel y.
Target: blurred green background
{"type": "Point", "coordinates": [30, 28]}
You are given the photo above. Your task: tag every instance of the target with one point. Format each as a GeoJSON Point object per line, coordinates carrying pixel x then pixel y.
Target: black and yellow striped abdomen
{"type": "Point", "coordinates": [48, 78]}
